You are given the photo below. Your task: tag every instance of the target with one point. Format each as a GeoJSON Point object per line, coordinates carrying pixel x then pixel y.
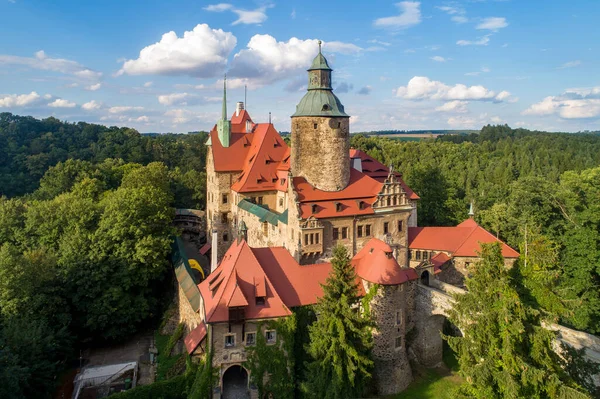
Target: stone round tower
{"type": "Point", "coordinates": [320, 132]}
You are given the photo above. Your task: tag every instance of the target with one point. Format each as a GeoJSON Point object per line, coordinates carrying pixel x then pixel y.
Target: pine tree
{"type": "Point", "coordinates": [341, 338]}
{"type": "Point", "coordinates": [505, 352]}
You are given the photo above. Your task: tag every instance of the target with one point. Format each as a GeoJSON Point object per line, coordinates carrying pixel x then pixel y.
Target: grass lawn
{"type": "Point", "coordinates": [434, 384]}
{"type": "Point", "coordinates": [163, 360]}
{"type": "Point", "coordinates": [438, 383]}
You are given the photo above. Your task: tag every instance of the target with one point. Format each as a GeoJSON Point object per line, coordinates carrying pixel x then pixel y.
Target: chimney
{"type": "Point", "coordinates": [357, 164]}
{"type": "Point", "coordinates": [214, 251]}
{"type": "Point", "coordinates": [239, 108]}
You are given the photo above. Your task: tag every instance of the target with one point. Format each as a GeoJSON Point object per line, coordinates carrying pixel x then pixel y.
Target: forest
{"type": "Point", "coordinates": [85, 226]}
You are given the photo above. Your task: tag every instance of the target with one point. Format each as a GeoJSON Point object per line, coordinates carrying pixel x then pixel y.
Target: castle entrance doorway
{"type": "Point", "coordinates": [425, 278]}
{"type": "Point", "coordinates": [235, 383]}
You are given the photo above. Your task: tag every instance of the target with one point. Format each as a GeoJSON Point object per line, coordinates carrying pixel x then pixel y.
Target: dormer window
{"type": "Point", "coordinates": [260, 300]}
{"type": "Point", "coordinates": [338, 206]}
{"type": "Point", "coordinates": [314, 208]}
{"type": "Point", "coordinates": [326, 107]}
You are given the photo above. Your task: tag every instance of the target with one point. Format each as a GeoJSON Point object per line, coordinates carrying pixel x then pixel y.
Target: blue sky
{"type": "Point", "coordinates": [158, 66]}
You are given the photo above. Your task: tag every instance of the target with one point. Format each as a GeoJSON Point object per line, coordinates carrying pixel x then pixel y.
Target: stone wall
{"type": "Point", "coordinates": [219, 184]}
{"type": "Point", "coordinates": [275, 235]}
{"type": "Point", "coordinates": [186, 314]}
{"type": "Point", "coordinates": [320, 151]}
{"type": "Point", "coordinates": [392, 309]}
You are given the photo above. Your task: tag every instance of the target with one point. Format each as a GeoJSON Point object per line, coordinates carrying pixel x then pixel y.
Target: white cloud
{"type": "Point", "coordinates": [457, 13]}
{"type": "Point", "coordinates": [341, 47]}
{"type": "Point", "coordinates": [61, 103]}
{"type": "Point", "coordinates": [142, 118]}
{"type": "Point", "coordinates": [43, 62]}
{"type": "Point", "coordinates": [462, 122]}
{"type": "Point", "coordinates": [94, 87]}
{"type": "Point", "coordinates": [496, 119]}
{"type": "Point", "coordinates": [218, 7]}
{"type": "Point", "coordinates": [148, 84]}
{"type": "Point", "coordinates": [570, 64]}
{"type": "Point", "coordinates": [247, 17]}
{"type": "Point", "coordinates": [482, 41]}
{"type": "Point", "coordinates": [421, 88]}
{"type": "Point", "coordinates": [410, 15]}
{"type": "Point", "coordinates": [201, 52]}
{"type": "Point", "coordinates": [19, 100]}
{"type": "Point", "coordinates": [91, 105]}
{"type": "Point", "coordinates": [266, 60]}
{"type": "Point", "coordinates": [185, 99]}
{"type": "Point", "coordinates": [124, 109]}
{"type": "Point", "coordinates": [366, 90]}
{"type": "Point", "coordinates": [453, 106]}
{"type": "Point", "coordinates": [437, 58]}
{"type": "Point", "coordinates": [492, 23]}
{"type": "Point", "coordinates": [572, 104]}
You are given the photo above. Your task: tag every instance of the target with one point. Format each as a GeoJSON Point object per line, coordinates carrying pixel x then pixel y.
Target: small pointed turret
{"type": "Point", "coordinates": [224, 125]}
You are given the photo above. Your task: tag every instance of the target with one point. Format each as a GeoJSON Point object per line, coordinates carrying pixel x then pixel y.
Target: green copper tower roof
{"type": "Point", "coordinates": [320, 62]}
{"type": "Point", "coordinates": [319, 99]}
{"type": "Point", "coordinates": [223, 124]}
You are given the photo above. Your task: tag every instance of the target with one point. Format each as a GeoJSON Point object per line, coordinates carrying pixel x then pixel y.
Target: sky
{"type": "Point", "coordinates": [158, 66]}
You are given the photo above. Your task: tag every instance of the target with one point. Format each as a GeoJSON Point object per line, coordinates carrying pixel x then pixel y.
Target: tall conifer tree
{"type": "Point", "coordinates": [505, 352]}
{"type": "Point", "coordinates": [341, 338]}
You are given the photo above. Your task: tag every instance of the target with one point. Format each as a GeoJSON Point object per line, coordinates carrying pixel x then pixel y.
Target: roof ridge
{"type": "Point", "coordinates": [267, 279]}
{"type": "Point", "coordinates": [219, 297]}
{"type": "Point", "coordinates": [473, 229]}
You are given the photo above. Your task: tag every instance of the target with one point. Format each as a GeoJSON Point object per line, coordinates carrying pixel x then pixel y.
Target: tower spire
{"type": "Point", "coordinates": [320, 46]}
{"type": "Point", "coordinates": [224, 125]}
{"type": "Point", "coordinates": [224, 113]}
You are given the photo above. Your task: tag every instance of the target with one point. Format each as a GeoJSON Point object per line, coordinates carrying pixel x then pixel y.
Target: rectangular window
{"type": "Point", "coordinates": [398, 317]}
{"type": "Point", "coordinates": [305, 239]}
{"type": "Point", "coordinates": [250, 338]}
{"type": "Point", "coordinates": [265, 228]}
{"type": "Point", "coordinates": [418, 255]}
{"type": "Point", "coordinates": [224, 198]}
{"type": "Point", "coordinates": [253, 199]}
{"type": "Point", "coordinates": [260, 300]}
{"type": "Point", "coordinates": [359, 231]}
{"type": "Point", "coordinates": [425, 255]}
{"type": "Point", "coordinates": [400, 225]}
{"type": "Point", "coordinates": [281, 202]}
{"type": "Point", "coordinates": [317, 238]}
{"type": "Point", "coordinates": [386, 227]}
{"type": "Point", "coordinates": [344, 233]}
{"type": "Point", "coordinates": [224, 217]}
{"type": "Point", "coordinates": [260, 200]}
{"type": "Point", "coordinates": [336, 233]}
{"type": "Point", "coordinates": [368, 230]}
{"type": "Point", "coordinates": [312, 238]}
{"type": "Point", "coordinates": [271, 336]}
{"type": "Point", "coordinates": [229, 340]}
{"type": "Point", "coordinates": [398, 342]}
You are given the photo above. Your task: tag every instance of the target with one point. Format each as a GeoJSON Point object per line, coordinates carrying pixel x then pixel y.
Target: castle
{"type": "Point", "coordinates": [274, 213]}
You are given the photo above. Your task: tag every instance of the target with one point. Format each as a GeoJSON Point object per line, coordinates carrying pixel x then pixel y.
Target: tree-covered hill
{"type": "Point", "coordinates": [29, 146]}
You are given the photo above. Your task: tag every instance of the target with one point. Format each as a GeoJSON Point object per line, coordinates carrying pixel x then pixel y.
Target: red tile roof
{"type": "Point", "coordinates": [462, 240]}
{"type": "Point", "coordinates": [264, 156]}
{"type": "Point", "coordinates": [375, 263]}
{"type": "Point", "coordinates": [246, 273]}
{"type": "Point", "coordinates": [238, 122]}
{"type": "Point", "coordinates": [438, 260]}
{"type": "Point", "coordinates": [360, 188]}
{"type": "Point", "coordinates": [378, 171]}
{"type": "Point", "coordinates": [195, 337]}
{"type": "Point", "coordinates": [232, 285]}
{"type": "Point", "coordinates": [230, 159]}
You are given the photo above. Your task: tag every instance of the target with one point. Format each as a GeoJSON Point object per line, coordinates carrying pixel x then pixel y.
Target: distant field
{"type": "Point", "coordinates": [411, 135]}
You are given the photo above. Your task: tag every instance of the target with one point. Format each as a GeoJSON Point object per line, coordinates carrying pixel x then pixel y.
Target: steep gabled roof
{"type": "Point", "coordinates": [262, 160]}
{"type": "Point", "coordinates": [378, 171]}
{"type": "Point", "coordinates": [232, 285]}
{"type": "Point", "coordinates": [230, 159]}
{"type": "Point", "coordinates": [462, 240]}
{"type": "Point", "coordinates": [376, 264]}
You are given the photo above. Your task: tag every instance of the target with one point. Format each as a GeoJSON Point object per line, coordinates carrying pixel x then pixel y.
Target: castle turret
{"type": "Point", "coordinates": [223, 124]}
{"type": "Point", "coordinates": [320, 132]}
